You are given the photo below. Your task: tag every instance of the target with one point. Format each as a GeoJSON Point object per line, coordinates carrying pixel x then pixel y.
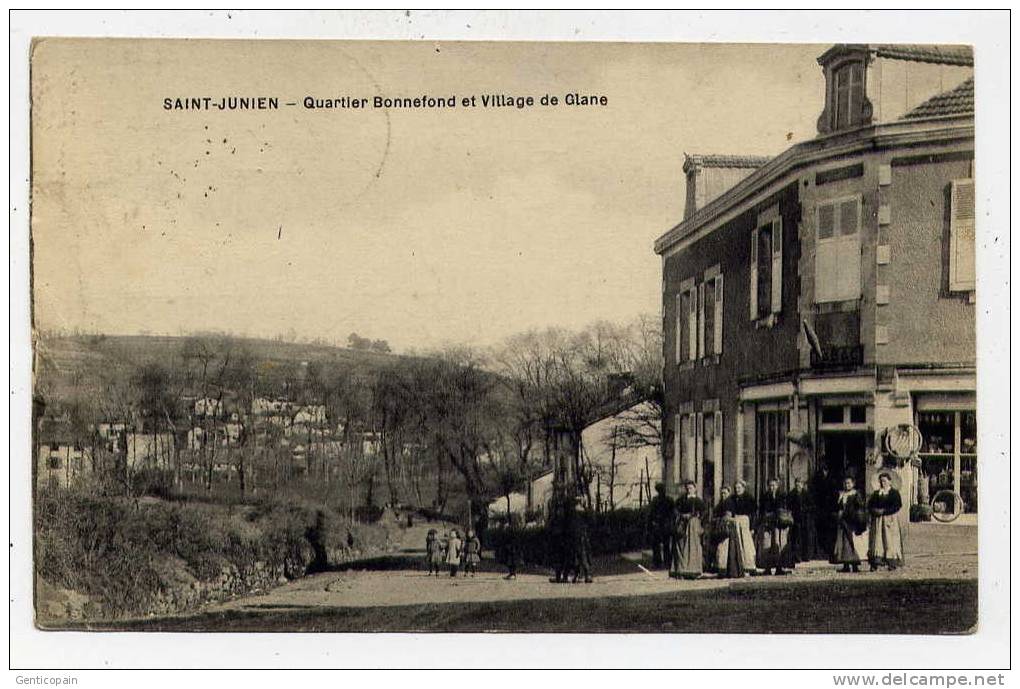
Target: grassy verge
{"type": "Point", "coordinates": [878, 607]}
{"type": "Point", "coordinates": [151, 556]}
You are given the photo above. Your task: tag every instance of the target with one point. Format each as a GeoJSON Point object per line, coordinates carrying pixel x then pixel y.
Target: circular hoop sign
{"type": "Point", "coordinates": [902, 441]}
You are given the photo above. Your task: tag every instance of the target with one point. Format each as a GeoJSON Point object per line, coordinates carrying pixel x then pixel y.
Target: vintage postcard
{"type": "Point", "coordinates": [450, 336]}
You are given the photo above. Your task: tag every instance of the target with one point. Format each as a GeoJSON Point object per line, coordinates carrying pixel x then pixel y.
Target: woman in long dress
{"type": "Point", "coordinates": [804, 533]}
{"type": "Point", "coordinates": [774, 550]}
{"type": "Point", "coordinates": [742, 556]}
{"type": "Point", "coordinates": [885, 534]}
{"type": "Point", "coordinates": [849, 527]}
{"type": "Point", "coordinates": [687, 552]}
{"type": "Point", "coordinates": [722, 518]}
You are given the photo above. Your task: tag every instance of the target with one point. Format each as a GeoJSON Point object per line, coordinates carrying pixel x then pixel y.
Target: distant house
{"type": "Point", "coordinates": [624, 452]}
{"type": "Point", "coordinates": [62, 458]}
{"type": "Point", "coordinates": [620, 448]}
{"type": "Point", "coordinates": [228, 434]}
{"type": "Point", "coordinates": [309, 415]}
{"type": "Point", "coordinates": [535, 499]}
{"type": "Point", "coordinates": [149, 450]}
{"type": "Point", "coordinates": [108, 430]}
{"type": "Point", "coordinates": [208, 407]}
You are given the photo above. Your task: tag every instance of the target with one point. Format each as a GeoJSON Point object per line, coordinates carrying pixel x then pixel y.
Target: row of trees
{"type": "Point", "coordinates": [453, 426]}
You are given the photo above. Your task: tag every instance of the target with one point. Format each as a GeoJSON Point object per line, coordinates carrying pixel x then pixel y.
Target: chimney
{"type": "Point", "coordinates": [708, 176]}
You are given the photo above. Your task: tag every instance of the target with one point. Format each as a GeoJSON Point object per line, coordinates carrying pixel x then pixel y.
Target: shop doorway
{"type": "Point", "coordinates": [843, 453]}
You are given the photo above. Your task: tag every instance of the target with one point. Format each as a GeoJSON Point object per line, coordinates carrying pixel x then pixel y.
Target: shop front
{"type": "Point", "coordinates": [948, 464]}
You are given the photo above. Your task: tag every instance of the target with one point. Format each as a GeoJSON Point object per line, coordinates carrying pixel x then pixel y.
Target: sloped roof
{"type": "Point", "coordinates": [941, 54]}
{"type": "Point", "coordinates": [913, 52]}
{"type": "Point", "coordinates": [714, 160]}
{"type": "Point", "coordinates": [55, 431]}
{"type": "Point", "coordinates": [957, 101]}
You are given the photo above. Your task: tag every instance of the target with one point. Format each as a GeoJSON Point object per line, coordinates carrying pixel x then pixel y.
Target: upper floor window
{"type": "Point", "coordinates": [847, 94]}
{"type": "Point", "coordinates": [711, 316]}
{"type": "Point", "coordinates": [687, 324]}
{"type": "Point", "coordinates": [838, 250]}
{"type": "Point", "coordinates": [961, 236]}
{"type": "Point", "coordinates": [767, 265]}
{"type": "Point", "coordinates": [699, 318]}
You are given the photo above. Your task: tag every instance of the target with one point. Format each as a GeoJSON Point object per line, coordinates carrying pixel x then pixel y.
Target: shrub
{"type": "Point", "coordinates": [126, 554]}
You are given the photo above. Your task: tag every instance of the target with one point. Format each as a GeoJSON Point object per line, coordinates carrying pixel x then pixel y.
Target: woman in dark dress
{"type": "Point", "coordinates": [824, 491]}
{"type": "Point", "coordinates": [722, 519]}
{"type": "Point", "coordinates": [804, 534]}
{"type": "Point", "coordinates": [849, 527]}
{"type": "Point", "coordinates": [687, 552]}
{"type": "Point", "coordinates": [774, 550]}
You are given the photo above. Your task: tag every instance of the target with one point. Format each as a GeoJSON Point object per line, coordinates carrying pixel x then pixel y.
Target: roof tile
{"type": "Point", "coordinates": [941, 54]}
{"type": "Point", "coordinates": [713, 160]}
{"type": "Point", "coordinates": [957, 101]}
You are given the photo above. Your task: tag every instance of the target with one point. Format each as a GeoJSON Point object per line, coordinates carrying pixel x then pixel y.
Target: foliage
{"type": "Point", "coordinates": [121, 553]}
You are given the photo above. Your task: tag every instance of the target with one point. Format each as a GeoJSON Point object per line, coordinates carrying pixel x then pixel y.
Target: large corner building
{"type": "Point", "coordinates": [818, 306]}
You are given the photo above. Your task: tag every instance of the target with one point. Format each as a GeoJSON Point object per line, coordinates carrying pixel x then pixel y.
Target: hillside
{"type": "Point", "coordinates": [70, 365]}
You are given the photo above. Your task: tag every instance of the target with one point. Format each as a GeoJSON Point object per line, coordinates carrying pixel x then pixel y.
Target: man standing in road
{"type": "Point", "coordinates": [660, 525]}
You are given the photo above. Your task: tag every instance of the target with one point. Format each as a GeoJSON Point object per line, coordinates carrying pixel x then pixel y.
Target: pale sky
{"type": "Point", "coordinates": [419, 227]}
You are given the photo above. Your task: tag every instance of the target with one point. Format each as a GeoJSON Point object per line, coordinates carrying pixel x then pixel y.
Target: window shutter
{"type": "Point", "coordinates": [680, 315]}
{"type": "Point", "coordinates": [678, 443]}
{"type": "Point", "coordinates": [701, 320]}
{"type": "Point", "coordinates": [848, 267]}
{"type": "Point", "coordinates": [699, 447]}
{"type": "Point", "coordinates": [692, 325]}
{"type": "Point", "coordinates": [754, 274]}
{"type": "Point", "coordinates": [689, 446]}
{"type": "Point", "coordinates": [717, 335]}
{"type": "Point", "coordinates": [961, 236]}
{"type": "Point", "coordinates": [718, 455]}
{"type": "Point", "coordinates": [777, 265]}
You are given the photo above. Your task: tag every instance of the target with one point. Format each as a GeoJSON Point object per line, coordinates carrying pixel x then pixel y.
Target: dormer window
{"type": "Point", "coordinates": [846, 89]}
{"type": "Point", "coordinates": [848, 95]}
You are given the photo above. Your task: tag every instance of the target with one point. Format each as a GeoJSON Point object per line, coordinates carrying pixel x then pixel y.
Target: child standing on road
{"type": "Point", "coordinates": [454, 546]}
{"type": "Point", "coordinates": [433, 552]}
{"type": "Point", "coordinates": [472, 553]}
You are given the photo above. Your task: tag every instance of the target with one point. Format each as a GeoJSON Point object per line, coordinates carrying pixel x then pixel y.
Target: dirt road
{"type": "Point", "coordinates": [934, 551]}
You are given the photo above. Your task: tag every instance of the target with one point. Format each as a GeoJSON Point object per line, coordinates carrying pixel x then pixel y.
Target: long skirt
{"type": "Point", "coordinates": [735, 554]}
{"type": "Point", "coordinates": [848, 545]}
{"type": "Point", "coordinates": [722, 551]}
{"type": "Point", "coordinates": [744, 542]}
{"type": "Point", "coordinates": [687, 553]}
{"type": "Point", "coordinates": [805, 538]}
{"type": "Point", "coordinates": [885, 541]}
{"type": "Point", "coordinates": [774, 550]}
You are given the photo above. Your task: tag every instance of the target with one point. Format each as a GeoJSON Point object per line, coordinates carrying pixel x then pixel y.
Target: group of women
{"type": "Point", "coordinates": [743, 536]}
